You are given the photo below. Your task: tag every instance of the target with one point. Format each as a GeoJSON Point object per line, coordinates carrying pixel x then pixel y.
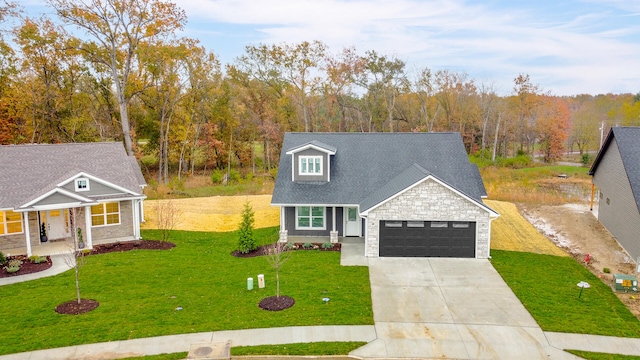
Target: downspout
{"type": "Point", "coordinates": [593, 192]}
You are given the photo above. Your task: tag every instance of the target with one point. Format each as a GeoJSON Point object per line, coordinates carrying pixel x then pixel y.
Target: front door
{"type": "Point", "coordinates": [57, 224]}
{"type": "Point", "coordinates": [352, 222]}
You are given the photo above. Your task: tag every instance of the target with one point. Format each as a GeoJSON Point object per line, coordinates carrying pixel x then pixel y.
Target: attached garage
{"type": "Point", "coordinates": [428, 238]}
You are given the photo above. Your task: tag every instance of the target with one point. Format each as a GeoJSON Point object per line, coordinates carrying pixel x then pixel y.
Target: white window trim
{"type": "Point", "coordinates": [82, 189]}
{"type": "Point", "coordinates": [3, 220]}
{"type": "Point", "coordinates": [310, 227]}
{"type": "Point", "coordinates": [310, 157]}
{"type": "Point", "coordinates": [104, 214]}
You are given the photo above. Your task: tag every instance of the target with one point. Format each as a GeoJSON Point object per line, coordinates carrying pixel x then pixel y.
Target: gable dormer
{"type": "Point", "coordinates": [311, 162]}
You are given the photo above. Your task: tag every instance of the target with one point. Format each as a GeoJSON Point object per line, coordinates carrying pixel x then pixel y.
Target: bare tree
{"type": "Point", "coordinates": [75, 256]}
{"type": "Point", "coordinates": [278, 256]}
{"type": "Point", "coordinates": [167, 217]}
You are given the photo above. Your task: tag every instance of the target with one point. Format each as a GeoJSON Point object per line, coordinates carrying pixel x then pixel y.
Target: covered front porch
{"type": "Point", "coordinates": [58, 247]}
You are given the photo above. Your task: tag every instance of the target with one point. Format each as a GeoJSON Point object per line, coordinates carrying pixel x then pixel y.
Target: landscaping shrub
{"type": "Point", "coordinates": [327, 245]}
{"type": "Point", "coordinates": [36, 259]}
{"type": "Point", "coordinates": [307, 246]}
{"type": "Point", "coordinates": [246, 241]}
{"type": "Point", "coordinates": [13, 266]}
{"type": "Point", "coordinates": [3, 259]}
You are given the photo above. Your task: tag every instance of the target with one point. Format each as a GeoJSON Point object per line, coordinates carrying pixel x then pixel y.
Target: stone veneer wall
{"type": "Point", "coordinates": [115, 231]}
{"type": "Point", "coordinates": [429, 201]}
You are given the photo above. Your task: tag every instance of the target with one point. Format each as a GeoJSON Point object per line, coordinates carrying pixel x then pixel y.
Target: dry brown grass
{"type": "Point", "coordinates": [216, 213]}
{"type": "Point", "coordinates": [513, 232]}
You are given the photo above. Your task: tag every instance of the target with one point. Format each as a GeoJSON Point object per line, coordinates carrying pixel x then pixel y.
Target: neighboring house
{"type": "Point", "coordinates": [406, 194]}
{"type": "Point", "coordinates": [40, 184]}
{"type": "Point", "coordinates": [616, 172]}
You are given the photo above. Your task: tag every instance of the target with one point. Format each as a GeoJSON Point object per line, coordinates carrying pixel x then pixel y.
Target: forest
{"type": "Point", "coordinates": [113, 70]}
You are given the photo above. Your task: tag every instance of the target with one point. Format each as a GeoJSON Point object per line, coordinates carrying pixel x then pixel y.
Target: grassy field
{"type": "Point", "coordinates": [139, 292]}
{"type": "Point", "coordinates": [540, 185]}
{"type": "Point", "coordinates": [216, 213]}
{"type": "Point", "coordinates": [547, 286]}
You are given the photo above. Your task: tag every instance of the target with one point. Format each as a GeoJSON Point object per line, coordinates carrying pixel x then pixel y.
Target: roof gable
{"type": "Point", "coordinates": [316, 145]}
{"type": "Point", "coordinates": [627, 139]}
{"type": "Point", "coordinates": [30, 171]}
{"type": "Point", "coordinates": [368, 167]}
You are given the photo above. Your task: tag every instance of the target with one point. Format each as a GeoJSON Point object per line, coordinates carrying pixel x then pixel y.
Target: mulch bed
{"type": "Point", "coordinates": [131, 245]}
{"type": "Point", "coordinates": [263, 250]}
{"type": "Point", "coordinates": [27, 266]}
{"type": "Point", "coordinates": [276, 303]}
{"type": "Point", "coordinates": [73, 308]}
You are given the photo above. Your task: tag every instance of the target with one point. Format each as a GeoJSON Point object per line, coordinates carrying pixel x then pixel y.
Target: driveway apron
{"type": "Point", "coordinates": [449, 308]}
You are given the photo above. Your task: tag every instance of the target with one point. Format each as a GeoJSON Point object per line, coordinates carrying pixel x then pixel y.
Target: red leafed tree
{"type": "Point", "coordinates": [552, 127]}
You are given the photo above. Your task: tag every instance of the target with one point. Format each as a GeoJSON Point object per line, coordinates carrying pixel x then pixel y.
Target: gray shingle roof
{"type": "Point", "coordinates": [628, 140]}
{"type": "Point", "coordinates": [28, 171]}
{"type": "Point", "coordinates": [370, 167]}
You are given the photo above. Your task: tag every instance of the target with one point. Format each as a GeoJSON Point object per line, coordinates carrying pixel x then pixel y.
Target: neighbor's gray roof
{"type": "Point", "coordinates": [29, 171]}
{"type": "Point", "coordinates": [370, 167]}
{"type": "Point", "coordinates": [628, 140]}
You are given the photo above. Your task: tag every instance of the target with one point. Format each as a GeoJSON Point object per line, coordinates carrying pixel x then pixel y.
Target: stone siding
{"type": "Point", "coordinates": [429, 201]}
{"type": "Point", "coordinates": [124, 229]}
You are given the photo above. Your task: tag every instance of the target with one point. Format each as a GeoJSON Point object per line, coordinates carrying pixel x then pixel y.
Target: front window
{"type": "Point", "coordinates": [105, 214]}
{"type": "Point", "coordinates": [310, 165]}
{"type": "Point", "coordinates": [10, 222]}
{"type": "Point", "coordinates": [310, 217]}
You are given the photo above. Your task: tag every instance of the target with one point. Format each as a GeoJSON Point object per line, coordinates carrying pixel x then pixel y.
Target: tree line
{"type": "Point", "coordinates": [112, 70]}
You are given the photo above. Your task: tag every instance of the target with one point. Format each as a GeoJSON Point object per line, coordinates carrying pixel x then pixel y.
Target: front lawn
{"type": "Point", "coordinates": [141, 291]}
{"type": "Point", "coordinates": [547, 286]}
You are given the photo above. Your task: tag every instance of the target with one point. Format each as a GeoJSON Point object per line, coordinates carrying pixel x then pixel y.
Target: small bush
{"type": "Point", "coordinates": [217, 176]}
{"type": "Point", "coordinates": [234, 176]}
{"type": "Point", "coordinates": [606, 270]}
{"type": "Point", "coordinates": [289, 246]}
{"type": "Point", "coordinates": [307, 246]}
{"type": "Point", "coordinates": [327, 245]}
{"type": "Point", "coordinates": [3, 259]}
{"type": "Point", "coordinates": [36, 259]}
{"type": "Point", "coordinates": [13, 266]}
{"type": "Point", "coordinates": [585, 159]}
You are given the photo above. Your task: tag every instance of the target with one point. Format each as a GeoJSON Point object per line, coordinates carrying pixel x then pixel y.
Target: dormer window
{"type": "Point", "coordinates": [82, 184]}
{"type": "Point", "coordinates": [310, 165]}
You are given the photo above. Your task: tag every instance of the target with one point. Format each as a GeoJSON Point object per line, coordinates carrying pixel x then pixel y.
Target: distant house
{"type": "Point", "coordinates": [616, 172]}
{"type": "Point", "coordinates": [41, 183]}
{"type": "Point", "coordinates": [405, 194]}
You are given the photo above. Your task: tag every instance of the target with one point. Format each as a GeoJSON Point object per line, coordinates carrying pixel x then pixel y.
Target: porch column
{"type": "Point", "coordinates": [87, 226]}
{"type": "Point", "coordinates": [27, 233]}
{"type": "Point", "coordinates": [136, 218]}
{"type": "Point", "coordinates": [284, 234]}
{"type": "Point", "coordinates": [333, 235]}
{"type": "Point", "coordinates": [141, 211]}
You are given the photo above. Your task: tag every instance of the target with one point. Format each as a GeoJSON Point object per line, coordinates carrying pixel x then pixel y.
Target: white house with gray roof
{"type": "Point", "coordinates": [616, 172]}
{"type": "Point", "coordinates": [404, 194]}
{"type": "Point", "coordinates": [49, 186]}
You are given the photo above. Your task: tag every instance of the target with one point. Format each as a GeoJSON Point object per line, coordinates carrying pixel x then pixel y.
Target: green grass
{"type": "Point", "coordinates": [315, 348]}
{"type": "Point", "coordinates": [172, 356]}
{"type": "Point", "coordinates": [139, 291]}
{"type": "Point", "coordinates": [600, 356]}
{"type": "Point", "coordinates": [546, 285]}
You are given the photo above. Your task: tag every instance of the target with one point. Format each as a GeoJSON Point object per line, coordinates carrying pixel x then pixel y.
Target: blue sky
{"type": "Point", "coordinates": [567, 47]}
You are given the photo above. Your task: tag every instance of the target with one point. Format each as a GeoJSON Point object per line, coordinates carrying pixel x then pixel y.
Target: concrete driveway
{"type": "Point", "coordinates": [451, 309]}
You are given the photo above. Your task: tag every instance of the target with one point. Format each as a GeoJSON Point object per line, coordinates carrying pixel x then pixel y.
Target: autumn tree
{"type": "Point", "coordinates": [115, 30]}
{"type": "Point", "coordinates": [525, 106]}
{"type": "Point", "coordinates": [552, 126]}
{"type": "Point", "coordinates": [424, 88]}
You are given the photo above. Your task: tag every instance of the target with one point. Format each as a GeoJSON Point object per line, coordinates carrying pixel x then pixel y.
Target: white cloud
{"type": "Point", "coordinates": [587, 48]}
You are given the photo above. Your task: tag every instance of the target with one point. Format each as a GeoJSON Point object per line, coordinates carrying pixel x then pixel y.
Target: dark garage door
{"type": "Point", "coordinates": [428, 239]}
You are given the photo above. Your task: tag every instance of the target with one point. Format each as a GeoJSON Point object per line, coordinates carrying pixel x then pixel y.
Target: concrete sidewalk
{"type": "Point", "coordinates": [58, 266]}
{"type": "Point", "coordinates": [184, 342]}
